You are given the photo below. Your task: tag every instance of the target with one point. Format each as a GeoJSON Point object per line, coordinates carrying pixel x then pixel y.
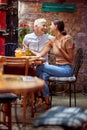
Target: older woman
{"type": "Point", "coordinates": [62, 46]}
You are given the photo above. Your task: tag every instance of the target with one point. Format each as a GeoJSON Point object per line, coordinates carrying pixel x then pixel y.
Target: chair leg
{"type": "Point", "coordinates": [5, 109]}
{"type": "Point", "coordinates": [24, 108]}
{"type": "Point", "coordinates": [51, 98]}
{"type": "Point", "coordinates": [9, 117]}
{"type": "Point", "coordinates": [7, 113]}
{"type": "Point", "coordinates": [69, 94]}
{"type": "Point", "coordinates": [50, 89]}
{"type": "Point", "coordinates": [74, 95]}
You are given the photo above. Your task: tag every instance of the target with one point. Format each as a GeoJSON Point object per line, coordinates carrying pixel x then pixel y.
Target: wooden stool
{"type": "Point", "coordinates": [5, 100]}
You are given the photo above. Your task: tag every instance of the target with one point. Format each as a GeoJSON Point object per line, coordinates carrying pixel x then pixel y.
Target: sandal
{"type": "Point", "coordinates": [41, 107]}
{"type": "Point", "coordinates": [46, 106]}
{"type": "Point", "coordinates": [38, 107]}
{"type": "Point", "coordinates": [39, 100]}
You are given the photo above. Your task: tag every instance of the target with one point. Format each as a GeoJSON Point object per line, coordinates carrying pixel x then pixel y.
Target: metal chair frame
{"type": "Point", "coordinates": [78, 60]}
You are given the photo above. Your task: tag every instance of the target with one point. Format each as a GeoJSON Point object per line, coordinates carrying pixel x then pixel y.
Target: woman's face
{"type": "Point", "coordinates": [53, 27]}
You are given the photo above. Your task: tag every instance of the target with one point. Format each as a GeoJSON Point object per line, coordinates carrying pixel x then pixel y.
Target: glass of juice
{"type": "Point", "coordinates": [19, 52]}
{"type": "Point", "coordinates": [1, 70]}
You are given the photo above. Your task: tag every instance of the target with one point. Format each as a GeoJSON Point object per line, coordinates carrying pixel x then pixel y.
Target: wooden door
{"type": "Point", "coordinates": [8, 27]}
{"type": "Point", "coordinates": [12, 27]}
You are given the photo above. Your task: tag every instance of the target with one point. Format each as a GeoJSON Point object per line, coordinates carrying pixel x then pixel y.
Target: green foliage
{"type": "Point", "coordinates": [22, 33]}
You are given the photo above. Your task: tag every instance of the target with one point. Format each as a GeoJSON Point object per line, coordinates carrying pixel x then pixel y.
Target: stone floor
{"type": "Point", "coordinates": [59, 100]}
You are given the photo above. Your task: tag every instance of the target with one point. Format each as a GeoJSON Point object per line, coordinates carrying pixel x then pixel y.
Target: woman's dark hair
{"type": "Point", "coordinates": [60, 25]}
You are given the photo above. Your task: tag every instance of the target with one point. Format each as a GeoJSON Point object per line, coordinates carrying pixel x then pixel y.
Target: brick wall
{"type": "Point", "coordinates": [76, 25]}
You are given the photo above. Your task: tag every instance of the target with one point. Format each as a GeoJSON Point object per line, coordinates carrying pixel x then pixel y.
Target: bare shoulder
{"type": "Point", "coordinates": [67, 38]}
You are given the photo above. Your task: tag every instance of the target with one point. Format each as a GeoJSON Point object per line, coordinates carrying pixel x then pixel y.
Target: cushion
{"type": "Point", "coordinates": [73, 117]}
{"type": "Point", "coordinates": [63, 79]}
{"type": "Point", "coordinates": [7, 97]}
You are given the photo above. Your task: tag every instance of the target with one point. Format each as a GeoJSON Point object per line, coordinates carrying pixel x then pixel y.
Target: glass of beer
{"type": "Point", "coordinates": [20, 52]}
{"type": "Point", "coordinates": [2, 62]}
{"type": "Point", "coordinates": [1, 70]}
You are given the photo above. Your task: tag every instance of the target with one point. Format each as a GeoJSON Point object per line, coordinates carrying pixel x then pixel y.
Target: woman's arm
{"type": "Point", "coordinates": [68, 55]}
{"type": "Point", "coordinates": [44, 51]}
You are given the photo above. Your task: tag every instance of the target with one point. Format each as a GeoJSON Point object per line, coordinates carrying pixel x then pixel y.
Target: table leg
{"type": "Point", "coordinates": [26, 96]}
{"type": "Point", "coordinates": [24, 108]}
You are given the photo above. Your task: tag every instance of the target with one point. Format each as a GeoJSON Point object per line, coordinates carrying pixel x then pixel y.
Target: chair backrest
{"type": "Point", "coordinates": [78, 60]}
{"type": "Point", "coordinates": [16, 63]}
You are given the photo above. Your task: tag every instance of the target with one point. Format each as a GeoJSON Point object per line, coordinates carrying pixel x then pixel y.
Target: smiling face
{"type": "Point", "coordinates": [41, 28]}
{"type": "Point", "coordinates": [53, 28]}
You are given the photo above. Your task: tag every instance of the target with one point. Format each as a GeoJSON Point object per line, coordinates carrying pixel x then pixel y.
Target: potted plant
{"type": "Point", "coordinates": [23, 30]}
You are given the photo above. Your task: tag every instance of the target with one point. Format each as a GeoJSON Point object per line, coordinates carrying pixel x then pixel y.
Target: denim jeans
{"type": "Point", "coordinates": [44, 71]}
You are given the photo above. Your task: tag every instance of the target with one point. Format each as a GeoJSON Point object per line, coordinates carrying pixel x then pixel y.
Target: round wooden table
{"type": "Point", "coordinates": [22, 84]}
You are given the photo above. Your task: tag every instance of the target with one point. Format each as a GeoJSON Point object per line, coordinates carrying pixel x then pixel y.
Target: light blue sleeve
{"type": "Point", "coordinates": [26, 39]}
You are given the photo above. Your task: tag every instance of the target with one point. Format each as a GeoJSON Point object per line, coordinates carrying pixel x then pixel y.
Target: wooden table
{"type": "Point", "coordinates": [21, 84]}
{"type": "Point", "coordinates": [22, 65]}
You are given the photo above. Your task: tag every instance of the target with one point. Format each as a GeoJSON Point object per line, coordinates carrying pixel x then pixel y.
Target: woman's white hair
{"type": "Point", "coordinates": [39, 21]}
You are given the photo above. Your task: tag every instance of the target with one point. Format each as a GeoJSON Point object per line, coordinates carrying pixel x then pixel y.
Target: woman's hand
{"type": "Point", "coordinates": [35, 53]}
{"type": "Point", "coordinates": [38, 55]}
{"type": "Point", "coordinates": [68, 55]}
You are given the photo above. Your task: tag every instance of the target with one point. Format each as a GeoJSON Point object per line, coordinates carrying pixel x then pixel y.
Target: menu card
{"type": "Point", "coordinates": [28, 79]}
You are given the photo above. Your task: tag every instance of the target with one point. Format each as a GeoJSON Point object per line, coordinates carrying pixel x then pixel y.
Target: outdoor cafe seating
{"type": "Point", "coordinates": [22, 65]}
{"type": "Point", "coordinates": [25, 62]}
{"type": "Point", "coordinates": [69, 81]}
{"type": "Point", "coordinates": [5, 101]}
{"type": "Point", "coordinates": [5, 108]}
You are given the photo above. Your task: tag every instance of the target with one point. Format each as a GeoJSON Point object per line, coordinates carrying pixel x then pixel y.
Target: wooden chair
{"type": "Point", "coordinates": [5, 101]}
{"type": "Point", "coordinates": [16, 65]}
{"type": "Point", "coordinates": [20, 66]}
{"type": "Point", "coordinates": [5, 108]}
{"type": "Point", "coordinates": [78, 60]}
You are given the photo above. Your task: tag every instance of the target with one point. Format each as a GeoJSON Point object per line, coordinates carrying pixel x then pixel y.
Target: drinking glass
{"type": "Point", "coordinates": [1, 70]}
